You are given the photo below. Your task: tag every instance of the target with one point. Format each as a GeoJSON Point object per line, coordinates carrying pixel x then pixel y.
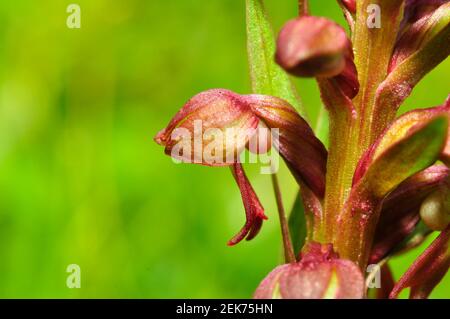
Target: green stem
{"type": "Point", "coordinates": [289, 254]}
{"type": "Point", "coordinates": [351, 136]}
{"type": "Point", "coordinates": [303, 7]}
{"type": "Point", "coordinates": [342, 158]}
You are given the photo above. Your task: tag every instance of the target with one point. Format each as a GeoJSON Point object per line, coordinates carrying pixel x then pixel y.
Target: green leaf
{"type": "Point", "coordinates": [266, 76]}
{"type": "Point", "coordinates": [297, 224]}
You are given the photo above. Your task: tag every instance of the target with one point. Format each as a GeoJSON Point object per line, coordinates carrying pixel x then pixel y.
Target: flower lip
{"type": "Point", "coordinates": [254, 212]}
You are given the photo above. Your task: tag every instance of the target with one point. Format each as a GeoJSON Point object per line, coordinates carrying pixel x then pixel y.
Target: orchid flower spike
{"type": "Point", "coordinates": [382, 185]}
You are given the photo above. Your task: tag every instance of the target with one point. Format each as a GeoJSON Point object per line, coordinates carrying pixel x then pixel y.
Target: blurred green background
{"type": "Point", "coordinates": [81, 180]}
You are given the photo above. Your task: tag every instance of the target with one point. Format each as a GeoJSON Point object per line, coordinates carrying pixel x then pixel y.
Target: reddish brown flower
{"type": "Point", "coordinates": [214, 127]}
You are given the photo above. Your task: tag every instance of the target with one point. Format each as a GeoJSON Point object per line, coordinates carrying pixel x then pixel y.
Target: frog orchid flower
{"type": "Point", "coordinates": [214, 127]}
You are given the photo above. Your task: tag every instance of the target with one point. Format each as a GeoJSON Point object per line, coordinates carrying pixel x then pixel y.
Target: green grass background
{"type": "Point", "coordinates": [81, 180]}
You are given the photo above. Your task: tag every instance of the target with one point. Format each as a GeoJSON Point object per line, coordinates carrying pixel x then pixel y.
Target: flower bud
{"type": "Point", "coordinates": [312, 47]}
{"type": "Point", "coordinates": [320, 274]}
{"type": "Point", "coordinates": [435, 209]}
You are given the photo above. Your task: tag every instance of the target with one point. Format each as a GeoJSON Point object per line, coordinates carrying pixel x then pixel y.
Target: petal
{"type": "Point", "coordinates": [400, 212]}
{"type": "Point", "coordinates": [312, 46]}
{"type": "Point", "coordinates": [428, 269]}
{"type": "Point", "coordinates": [254, 212]}
{"type": "Point", "coordinates": [303, 152]}
{"type": "Point", "coordinates": [212, 129]}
